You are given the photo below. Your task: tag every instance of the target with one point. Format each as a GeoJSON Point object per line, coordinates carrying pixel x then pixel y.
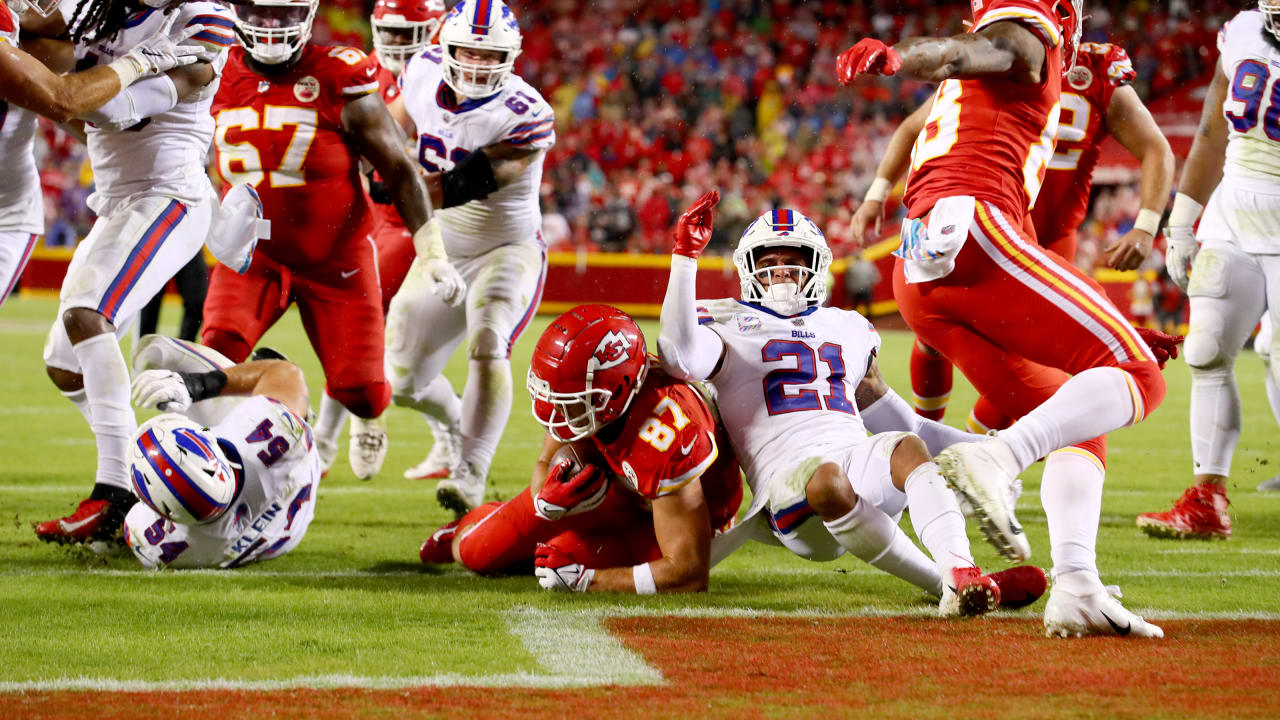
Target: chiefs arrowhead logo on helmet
{"type": "Point", "coordinates": [612, 350]}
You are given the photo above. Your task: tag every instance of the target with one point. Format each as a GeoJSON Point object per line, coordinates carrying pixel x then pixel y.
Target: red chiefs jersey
{"type": "Point", "coordinates": [671, 438]}
{"type": "Point", "coordinates": [283, 134]}
{"type": "Point", "coordinates": [1086, 93]}
{"type": "Point", "coordinates": [991, 137]}
{"type": "Point", "coordinates": [389, 89]}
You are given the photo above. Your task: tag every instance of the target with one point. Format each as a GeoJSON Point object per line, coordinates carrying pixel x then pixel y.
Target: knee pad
{"type": "Point", "coordinates": [231, 344]}
{"type": "Point", "coordinates": [1203, 350]}
{"type": "Point", "coordinates": [485, 344]}
{"type": "Point", "coordinates": [366, 401]}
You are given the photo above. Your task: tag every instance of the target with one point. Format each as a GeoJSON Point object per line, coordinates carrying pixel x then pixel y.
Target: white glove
{"type": "Point", "coordinates": [433, 263]}
{"type": "Point", "coordinates": [1180, 252]}
{"type": "Point", "coordinates": [163, 390]}
{"type": "Point", "coordinates": [160, 53]}
{"type": "Point", "coordinates": [557, 571]}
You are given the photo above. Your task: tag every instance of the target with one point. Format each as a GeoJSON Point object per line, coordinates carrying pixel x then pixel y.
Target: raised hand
{"type": "Point", "coordinates": [693, 228]}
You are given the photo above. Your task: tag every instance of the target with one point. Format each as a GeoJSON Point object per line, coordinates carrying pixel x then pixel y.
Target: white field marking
{"type": "Point", "coordinates": [324, 489]}
{"type": "Point", "coordinates": [593, 658]}
{"type": "Point", "coordinates": [1209, 550]}
{"type": "Point", "coordinates": [68, 409]}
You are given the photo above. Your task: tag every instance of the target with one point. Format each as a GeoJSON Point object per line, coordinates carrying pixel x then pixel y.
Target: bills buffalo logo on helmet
{"type": "Point", "coordinates": [612, 350]}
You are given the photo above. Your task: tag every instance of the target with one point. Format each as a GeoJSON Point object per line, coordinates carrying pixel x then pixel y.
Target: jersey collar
{"type": "Point", "coordinates": [761, 308]}
{"type": "Point", "coordinates": [447, 99]}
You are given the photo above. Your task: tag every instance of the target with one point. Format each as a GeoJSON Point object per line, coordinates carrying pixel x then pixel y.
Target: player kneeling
{"type": "Point", "coordinates": [643, 524]}
{"type": "Point", "coordinates": [237, 491]}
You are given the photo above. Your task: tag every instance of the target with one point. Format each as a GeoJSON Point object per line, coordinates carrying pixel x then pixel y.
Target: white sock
{"type": "Point", "coordinates": [329, 420]}
{"type": "Point", "coordinates": [1090, 404]}
{"type": "Point", "coordinates": [1071, 492]}
{"type": "Point", "coordinates": [1216, 420]}
{"type": "Point", "coordinates": [872, 536]}
{"type": "Point", "coordinates": [936, 517]}
{"type": "Point", "coordinates": [106, 391]}
{"type": "Point", "coordinates": [78, 399]}
{"type": "Point", "coordinates": [486, 407]}
{"type": "Point", "coordinates": [1273, 393]}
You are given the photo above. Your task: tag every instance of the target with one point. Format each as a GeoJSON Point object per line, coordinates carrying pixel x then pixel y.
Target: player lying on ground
{"type": "Point", "coordinates": [237, 490]}
{"type": "Point", "coordinates": [633, 506]}
{"type": "Point", "coordinates": [1232, 175]}
{"type": "Point", "coordinates": [788, 375]}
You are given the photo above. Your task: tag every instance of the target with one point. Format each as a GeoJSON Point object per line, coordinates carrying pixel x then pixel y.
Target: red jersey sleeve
{"type": "Point", "coordinates": [1031, 13]}
{"type": "Point", "coordinates": [1116, 66]}
{"type": "Point", "coordinates": [669, 440]}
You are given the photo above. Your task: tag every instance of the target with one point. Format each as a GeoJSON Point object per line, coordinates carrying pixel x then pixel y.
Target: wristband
{"type": "Point", "coordinates": [643, 577]}
{"type": "Point", "coordinates": [878, 191]}
{"type": "Point", "coordinates": [1185, 211]}
{"type": "Point", "coordinates": [1148, 221]}
{"type": "Point", "coordinates": [471, 179]}
{"type": "Point", "coordinates": [127, 69]}
{"type": "Point", "coordinates": [204, 385]}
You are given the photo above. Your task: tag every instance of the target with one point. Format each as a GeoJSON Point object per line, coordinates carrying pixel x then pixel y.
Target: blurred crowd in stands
{"type": "Point", "coordinates": [657, 101]}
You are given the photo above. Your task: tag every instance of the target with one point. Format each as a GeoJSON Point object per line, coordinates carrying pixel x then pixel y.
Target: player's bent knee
{"type": "Point", "coordinates": [65, 380]}
{"type": "Point", "coordinates": [83, 323]}
{"type": "Point", "coordinates": [1203, 350]}
{"type": "Point", "coordinates": [1149, 381]}
{"type": "Point", "coordinates": [486, 344]}
{"type": "Point", "coordinates": [910, 453]}
{"type": "Point", "coordinates": [231, 344]}
{"type": "Point", "coordinates": [829, 492]}
{"type": "Point", "coordinates": [366, 401]}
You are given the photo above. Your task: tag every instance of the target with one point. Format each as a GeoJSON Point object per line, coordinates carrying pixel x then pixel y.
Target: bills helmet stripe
{"type": "Point", "coordinates": [193, 500]}
{"type": "Point", "coordinates": [480, 23]}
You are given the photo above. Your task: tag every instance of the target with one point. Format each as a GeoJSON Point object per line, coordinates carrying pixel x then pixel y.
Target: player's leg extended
{"type": "Point", "coordinates": [502, 296]}
{"type": "Point", "coordinates": [422, 333]}
{"type": "Point", "coordinates": [1227, 292]}
{"type": "Point", "coordinates": [930, 381]}
{"type": "Point", "coordinates": [130, 254]}
{"type": "Point", "coordinates": [15, 250]}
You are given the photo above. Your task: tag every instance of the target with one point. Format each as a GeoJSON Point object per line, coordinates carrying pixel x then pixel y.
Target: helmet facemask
{"type": "Point", "coordinates": [273, 32]}
{"type": "Point", "coordinates": [1270, 10]}
{"type": "Point", "coordinates": [396, 40]}
{"type": "Point", "coordinates": [483, 25]}
{"type": "Point", "coordinates": [785, 288]}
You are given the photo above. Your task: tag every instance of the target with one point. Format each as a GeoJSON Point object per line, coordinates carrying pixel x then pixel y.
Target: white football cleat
{"type": "Point", "coordinates": [446, 449]}
{"type": "Point", "coordinates": [368, 446]}
{"type": "Point", "coordinates": [462, 491]}
{"type": "Point", "coordinates": [1079, 605]}
{"type": "Point", "coordinates": [971, 470]}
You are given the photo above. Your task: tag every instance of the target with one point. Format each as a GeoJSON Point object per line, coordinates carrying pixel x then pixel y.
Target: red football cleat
{"type": "Point", "coordinates": [1020, 586]}
{"type": "Point", "coordinates": [438, 549]}
{"type": "Point", "coordinates": [92, 520]}
{"type": "Point", "coordinates": [968, 592]}
{"type": "Point", "coordinates": [1200, 513]}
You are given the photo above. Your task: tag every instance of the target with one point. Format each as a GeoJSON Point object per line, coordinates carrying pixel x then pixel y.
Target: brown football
{"type": "Point", "coordinates": [579, 454]}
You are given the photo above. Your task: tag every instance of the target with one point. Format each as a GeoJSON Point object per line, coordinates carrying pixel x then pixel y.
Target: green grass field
{"type": "Point", "coordinates": [352, 606]}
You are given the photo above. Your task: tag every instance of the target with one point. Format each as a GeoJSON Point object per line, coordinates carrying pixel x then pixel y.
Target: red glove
{"type": "Point", "coordinates": [564, 494]}
{"type": "Point", "coordinates": [868, 56]}
{"type": "Point", "coordinates": [1163, 346]}
{"type": "Point", "coordinates": [693, 228]}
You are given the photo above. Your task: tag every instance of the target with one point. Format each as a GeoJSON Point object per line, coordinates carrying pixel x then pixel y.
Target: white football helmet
{"type": "Point", "coordinates": [274, 31]}
{"type": "Point", "coordinates": [1270, 10]}
{"type": "Point", "coordinates": [43, 8]}
{"type": "Point", "coordinates": [479, 25]}
{"type": "Point", "coordinates": [179, 471]}
{"type": "Point", "coordinates": [775, 229]}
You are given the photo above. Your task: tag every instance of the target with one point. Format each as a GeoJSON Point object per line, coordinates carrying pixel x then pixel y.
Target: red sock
{"type": "Point", "coordinates": [930, 381]}
{"type": "Point", "coordinates": [986, 416]}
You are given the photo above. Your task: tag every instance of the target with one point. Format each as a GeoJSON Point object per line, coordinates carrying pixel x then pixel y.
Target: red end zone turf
{"type": "Point", "coordinates": [828, 667]}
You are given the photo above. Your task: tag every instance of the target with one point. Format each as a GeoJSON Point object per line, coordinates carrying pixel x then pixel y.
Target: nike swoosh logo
{"type": "Point", "coordinates": [684, 449]}
{"type": "Point", "coordinates": [370, 71]}
{"type": "Point", "coordinates": [348, 273]}
{"type": "Point", "coordinates": [72, 527]}
{"type": "Point", "coordinates": [1121, 631]}
{"type": "Point", "coordinates": [437, 535]}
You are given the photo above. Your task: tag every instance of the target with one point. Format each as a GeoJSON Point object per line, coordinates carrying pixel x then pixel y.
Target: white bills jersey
{"type": "Point", "coordinates": [1251, 61]}
{"type": "Point", "coordinates": [786, 386]}
{"type": "Point", "coordinates": [21, 202]}
{"type": "Point", "coordinates": [271, 510]}
{"type": "Point", "coordinates": [163, 154]}
{"type": "Point", "coordinates": [449, 130]}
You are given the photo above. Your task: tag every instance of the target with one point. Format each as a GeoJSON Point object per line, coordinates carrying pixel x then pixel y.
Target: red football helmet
{"type": "Point", "coordinates": [587, 366]}
{"type": "Point", "coordinates": [402, 28]}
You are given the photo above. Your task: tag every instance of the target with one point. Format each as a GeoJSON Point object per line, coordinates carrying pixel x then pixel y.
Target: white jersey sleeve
{"type": "Point", "coordinates": [163, 154]}
{"type": "Point", "coordinates": [280, 474]}
{"type": "Point", "coordinates": [1251, 63]}
{"type": "Point", "coordinates": [449, 130]}
{"type": "Point", "coordinates": [21, 200]}
{"type": "Point", "coordinates": [784, 378]}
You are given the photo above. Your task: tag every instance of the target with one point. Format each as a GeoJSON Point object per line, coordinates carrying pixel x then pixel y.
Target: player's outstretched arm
{"type": "Point", "coordinates": [687, 350]}
{"type": "Point", "coordinates": [480, 174]}
{"type": "Point", "coordinates": [171, 391]}
{"type": "Point", "coordinates": [1201, 173]}
{"type": "Point", "coordinates": [26, 82]}
{"type": "Point", "coordinates": [883, 410]}
{"type": "Point", "coordinates": [1134, 128]}
{"type": "Point", "coordinates": [893, 165]}
{"type": "Point", "coordinates": [682, 525]}
{"type": "Point", "coordinates": [151, 96]}
{"type": "Point", "coordinates": [1004, 48]}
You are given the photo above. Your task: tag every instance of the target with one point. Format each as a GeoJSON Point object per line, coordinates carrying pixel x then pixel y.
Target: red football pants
{"type": "Point", "coordinates": [395, 254]}
{"type": "Point", "coordinates": [340, 305]}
